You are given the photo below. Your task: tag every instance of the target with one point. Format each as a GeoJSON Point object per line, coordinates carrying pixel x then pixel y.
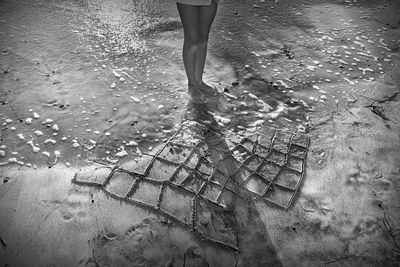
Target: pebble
{"type": "Point", "coordinates": [67, 164]}
{"type": "Point", "coordinates": [122, 153]}
{"type": "Point", "coordinates": [64, 138]}
{"type": "Point", "coordinates": [253, 96]}
{"type": "Point", "coordinates": [107, 134]}
{"type": "Point", "coordinates": [47, 154]}
{"type": "Point", "coordinates": [160, 107]}
{"type": "Point", "coordinates": [283, 83]}
{"type": "Point", "coordinates": [312, 68]}
{"type": "Point", "coordinates": [116, 74]}
{"type": "Point", "coordinates": [256, 123]}
{"type": "Point", "coordinates": [28, 120]}
{"type": "Point", "coordinates": [222, 119]}
{"type": "Point", "coordinates": [14, 160]}
{"type": "Point", "coordinates": [137, 100]}
{"type": "Point", "coordinates": [112, 161]}
{"type": "Point", "coordinates": [38, 133]}
{"type": "Point", "coordinates": [48, 121]}
{"type": "Point", "coordinates": [52, 141]}
{"type": "Point", "coordinates": [34, 148]}
{"type": "Point", "coordinates": [9, 120]}
{"type": "Point", "coordinates": [76, 145]}
{"type": "Point", "coordinates": [132, 143]}
{"type": "Point", "coordinates": [2, 153]}
{"type": "Point", "coordinates": [113, 85]}
{"type": "Point", "coordinates": [35, 115]}
{"type": "Point", "coordinates": [12, 128]}
{"type": "Point", "coordinates": [57, 153]}
{"type": "Point", "coordinates": [55, 128]}
{"type": "Point", "coordinates": [21, 136]}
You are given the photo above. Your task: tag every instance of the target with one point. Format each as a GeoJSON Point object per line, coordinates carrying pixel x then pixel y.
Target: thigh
{"type": "Point", "coordinates": [190, 20]}
{"type": "Point", "coordinates": [207, 15]}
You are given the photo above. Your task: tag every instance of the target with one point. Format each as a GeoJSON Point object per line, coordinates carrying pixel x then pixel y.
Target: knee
{"type": "Point", "coordinates": [191, 39]}
{"type": "Point", "coordinates": [203, 38]}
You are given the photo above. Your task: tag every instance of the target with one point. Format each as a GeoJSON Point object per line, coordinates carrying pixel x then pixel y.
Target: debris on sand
{"type": "Point", "coordinates": [221, 120]}
{"type": "Point", "coordinates": [75, 143]}
{"type": "Point", "coordinates": [132, 143]}
{"type": "Point", "coordinates": [35, 115]}
{"type": "Point", "coordinates": [122, 153]}
{"type": "Point", "coordinates": [135, 99]}
{"type": "Point", "coordinates": [38, 133]}
{"type": "Point", "coordinates": [51, 141]}
{"type": "Point", "coordinates": [116, 74]}
{"type": "Point", "coordinates": [47, 154]}
{"type": "Point", "coordinates": [112, 161]}
{"type": "Point", "coordinates": [35, 149]}
{"type": "Point", "coordinates": [110, 236]}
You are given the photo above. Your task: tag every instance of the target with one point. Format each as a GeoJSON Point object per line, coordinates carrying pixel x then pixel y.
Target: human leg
{"type": "Point", "coordinates": [206, 18]}
{"type": "Point", "coordinates": [190, 18]}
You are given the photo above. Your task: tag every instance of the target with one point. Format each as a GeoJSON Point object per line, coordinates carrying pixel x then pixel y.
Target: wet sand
{"type": "Point", "coordinates": [95, 83]}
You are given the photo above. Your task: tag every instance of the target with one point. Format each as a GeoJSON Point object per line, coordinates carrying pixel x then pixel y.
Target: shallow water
{"type": "Point", "coordinates": [109, 74]}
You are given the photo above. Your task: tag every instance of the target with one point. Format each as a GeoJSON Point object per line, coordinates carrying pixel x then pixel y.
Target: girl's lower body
{"type": "Point", "coordinates": [197, 17]}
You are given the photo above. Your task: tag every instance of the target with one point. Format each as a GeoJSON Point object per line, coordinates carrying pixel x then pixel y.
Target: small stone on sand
{"type": "Point", "coordinates": [38, 133]}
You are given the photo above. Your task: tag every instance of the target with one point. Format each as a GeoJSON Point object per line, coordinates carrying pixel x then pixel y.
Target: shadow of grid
{"type": "Point", "coordinates": [183, 181]}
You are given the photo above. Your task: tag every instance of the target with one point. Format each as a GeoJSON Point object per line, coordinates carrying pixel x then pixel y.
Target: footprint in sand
{"type": "Point", "coordinates": [74, 207]}
{"type": "Point", "coordinates": [150, 243]}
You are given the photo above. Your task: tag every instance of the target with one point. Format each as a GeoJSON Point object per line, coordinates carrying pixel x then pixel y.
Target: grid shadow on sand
{"type": "Point", "coordinates": [196, 176]}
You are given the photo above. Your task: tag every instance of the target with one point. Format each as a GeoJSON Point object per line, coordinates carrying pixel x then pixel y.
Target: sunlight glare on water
{"type": "Point", "coordinates": [119, 23]}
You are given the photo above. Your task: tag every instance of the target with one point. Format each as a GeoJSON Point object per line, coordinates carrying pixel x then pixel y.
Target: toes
{"type": "Point", "coordinates": [209, 90]}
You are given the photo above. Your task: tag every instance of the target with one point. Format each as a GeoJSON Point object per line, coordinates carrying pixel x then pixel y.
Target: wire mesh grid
{"type": "Point", "coordinates": [196, 176]}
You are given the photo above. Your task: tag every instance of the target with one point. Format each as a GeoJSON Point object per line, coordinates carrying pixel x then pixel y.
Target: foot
{"type": "Point", "coordinates": [208, 90]}
{"type": "Point", "coordinates": [197, 96]}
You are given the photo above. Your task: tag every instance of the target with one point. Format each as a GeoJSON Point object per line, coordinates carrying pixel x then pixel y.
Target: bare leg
{"type": "Point", "coordinates": [207, 15]}
{"type": "Point", "coordinates": [190, 19]}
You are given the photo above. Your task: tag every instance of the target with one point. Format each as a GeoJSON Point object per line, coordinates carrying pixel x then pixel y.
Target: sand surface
{"type": "Point", "coordinates": [99, 84]}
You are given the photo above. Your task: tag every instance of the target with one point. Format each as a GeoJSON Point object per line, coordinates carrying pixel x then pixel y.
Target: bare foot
{"type": "Point", "coordinates": [197, 96]}
{"type": "Point", "coordinates": [208, 90]}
